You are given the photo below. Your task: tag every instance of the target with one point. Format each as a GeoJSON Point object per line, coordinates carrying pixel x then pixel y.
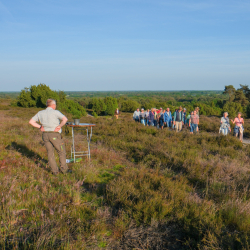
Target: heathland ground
{"type": "Point", "coordinates": [143, 188]}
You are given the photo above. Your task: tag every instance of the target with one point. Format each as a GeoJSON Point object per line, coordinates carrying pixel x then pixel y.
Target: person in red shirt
{"type": "Point", "coordinates": [158, 111]}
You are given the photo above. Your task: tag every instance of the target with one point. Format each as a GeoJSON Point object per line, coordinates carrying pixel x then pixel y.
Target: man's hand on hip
{"type": "Point", "coordinates": [58, 128]}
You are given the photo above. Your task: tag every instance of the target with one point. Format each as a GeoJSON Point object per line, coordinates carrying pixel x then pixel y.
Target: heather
{"type": "Point", "coordinates": [143, 188]}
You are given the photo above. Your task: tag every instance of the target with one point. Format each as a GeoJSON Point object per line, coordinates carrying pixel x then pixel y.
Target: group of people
{"type": "Point", "coordinates": [238, 128]}
{"type": "Point", "coordinates": [179, 119]}
{"type": "Point", "coordinates": [161, 117]}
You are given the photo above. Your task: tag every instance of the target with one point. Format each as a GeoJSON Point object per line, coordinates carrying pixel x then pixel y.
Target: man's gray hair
{"type": "Point", "coordinates": [50, 102]}
{"type": "Point", "coordinates": [225, 113]}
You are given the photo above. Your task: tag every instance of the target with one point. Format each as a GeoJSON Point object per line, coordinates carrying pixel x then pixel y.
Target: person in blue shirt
{"type": "Point", "coordinates": [161, 118]}
{"type": "Point", "coordinates": [151, 117]}
{"type": "Point", "coordinates": [168, 118]}
{"type": "Point", "coordinates": [185, 116]}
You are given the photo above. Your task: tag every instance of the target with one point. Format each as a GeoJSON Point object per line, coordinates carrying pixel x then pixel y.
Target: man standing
{"type": "Point", "coordinates": [52, 128]}
{"type": "Point", "coordinates": [168, 118]}
{"type": "Point", "coordinates": [136, 115]}
{"type": "Point", "coordinates": [185, 116]}
{"type": "Point", "coordinates": [151, 117]}
{"type": "Point", "coordinates": [178, 119]}
{"type": "Point", "coordinates": [161, 119]}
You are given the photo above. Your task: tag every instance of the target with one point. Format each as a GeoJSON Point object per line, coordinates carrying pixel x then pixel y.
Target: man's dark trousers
{"type": "Point", "coordinates": [53, 140]}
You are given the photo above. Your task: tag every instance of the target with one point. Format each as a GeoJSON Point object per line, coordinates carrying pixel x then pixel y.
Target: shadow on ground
{"type": "Point", "coordinates": [26, 152]}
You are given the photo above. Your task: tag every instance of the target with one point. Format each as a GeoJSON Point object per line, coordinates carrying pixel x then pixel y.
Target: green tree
{"type": "Point", "coordinates": [248, 111]}
{"type": "Point", "coordinates": [62, 96]}
{"type": "Point", "coordinates": [230, 90]}
{"type": "Point", "coordinates": [98, 105]}
{"type": "Point", "coordinates": [240, 97]}
{"type": "Point", "coordinates": [129, 106]}
{"type": "Point", "coordinates": [148, 105]}
{"type": "Point", "coordinates": [73, 108]}
{"type": "Point", "coordinates": [41, 93]}
{"type": "Point", "coordinates": [111, 105]}
{"type": "Point", "coordinates": [232, 108]}
{"type": "Point", "coordinates": [36, 96]}
{"type": "Point", "coordinates": [25, 100]}
{"type": "Point", "coordinates": [245, 90]}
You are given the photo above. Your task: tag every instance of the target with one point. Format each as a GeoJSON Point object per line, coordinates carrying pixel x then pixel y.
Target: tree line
{"type": "Point", "coordinates": [210, 103]}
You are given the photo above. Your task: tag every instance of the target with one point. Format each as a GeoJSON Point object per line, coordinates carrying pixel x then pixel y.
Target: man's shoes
{"type": "Point", "coordinates": [69, 171]}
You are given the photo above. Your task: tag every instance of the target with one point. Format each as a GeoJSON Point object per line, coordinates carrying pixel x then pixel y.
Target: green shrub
{"type": "Point", "coordinates": [36, 96]}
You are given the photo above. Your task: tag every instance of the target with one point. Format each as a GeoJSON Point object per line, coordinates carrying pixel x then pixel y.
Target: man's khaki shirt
{"type": "Point", "coordinates": [49, 118]}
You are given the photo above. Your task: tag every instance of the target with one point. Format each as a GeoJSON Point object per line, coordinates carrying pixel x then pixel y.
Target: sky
{"type": "Point", "coordinates": [109, 45]}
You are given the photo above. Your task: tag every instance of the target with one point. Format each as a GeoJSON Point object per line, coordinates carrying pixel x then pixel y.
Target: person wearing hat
{"type": "Point", "coordinates": [178, 119]}
{"type": "Point", "coordinates": [136, 115]}
{"type": "Point", "coordinates": [225, 125]}
{"type": "Point", "coordinates": [143, 117]}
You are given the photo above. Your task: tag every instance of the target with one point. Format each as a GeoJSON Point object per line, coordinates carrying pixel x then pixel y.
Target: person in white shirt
{"type": "Point", "coordinates": [51, 127]}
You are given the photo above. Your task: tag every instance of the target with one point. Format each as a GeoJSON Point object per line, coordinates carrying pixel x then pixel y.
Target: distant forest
{"type": "Point", "coordinates": [101, 103]}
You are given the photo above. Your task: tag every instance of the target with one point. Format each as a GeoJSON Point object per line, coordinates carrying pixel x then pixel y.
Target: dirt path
{"type": "Point", "coordinates": [246, 141]}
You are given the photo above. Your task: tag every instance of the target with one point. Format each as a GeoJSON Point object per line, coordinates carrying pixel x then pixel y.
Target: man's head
{"type": "Point", "coordinates": [195, 112]}
{"type": "Point", "coordinates": [138, 109]}
{"type": "Point", "coordinates": [180, 108]}
{"type": "Point", "coordinates": [142, 110]}
{"type": "Point", "coordinates": [168, 109]}
{"type": "Point", "coordinates": [51, 103]}
{"type": "Point", "coordinates": [184, 109]}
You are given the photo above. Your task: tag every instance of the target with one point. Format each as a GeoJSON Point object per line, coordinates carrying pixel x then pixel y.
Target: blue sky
{"type": "Point", "coordinates": [124, 44]}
